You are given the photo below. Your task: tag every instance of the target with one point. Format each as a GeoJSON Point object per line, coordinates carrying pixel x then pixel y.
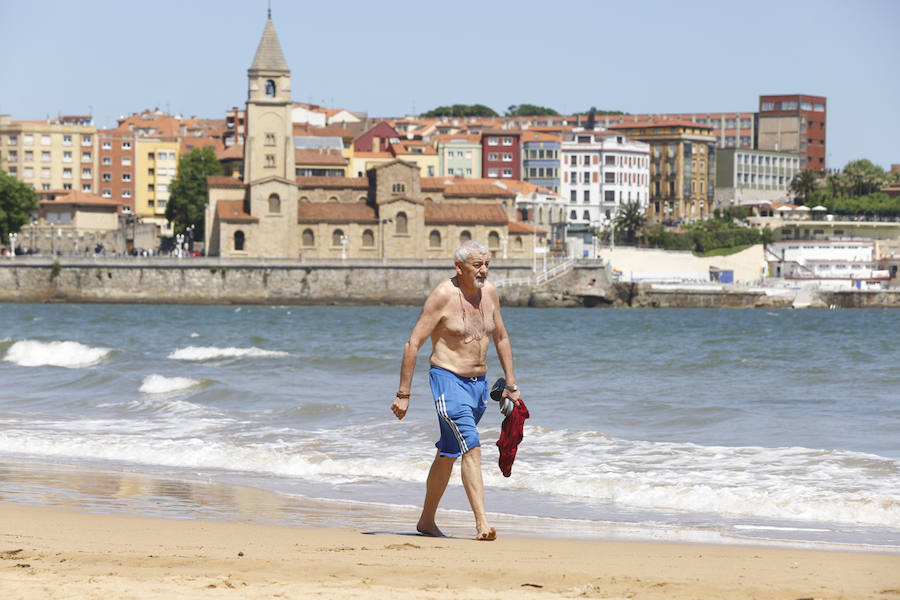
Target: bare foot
{"type": "Point", "coordinates": [429, 529]}
{"type": "Point", "coordinates": [487, 536]}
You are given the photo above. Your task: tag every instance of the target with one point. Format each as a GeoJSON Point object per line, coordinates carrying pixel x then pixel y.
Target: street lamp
{"type": "Point", "coordinates": [179, 243]}
{"type": "Point", "coordinates": [190, 234]}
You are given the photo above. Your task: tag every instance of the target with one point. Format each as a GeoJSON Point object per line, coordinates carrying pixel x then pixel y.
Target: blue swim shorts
{"type": "Point", "coordinates": [459, 402]}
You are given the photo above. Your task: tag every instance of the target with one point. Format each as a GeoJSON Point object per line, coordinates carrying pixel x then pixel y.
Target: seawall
{"type": "Point", "coordinates": [209, 281]}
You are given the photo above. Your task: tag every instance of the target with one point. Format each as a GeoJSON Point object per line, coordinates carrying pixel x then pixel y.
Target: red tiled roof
{"type": "Point", "coordinates": [476, 189]}
{"type": "Point", "coordinates": [309, 183]}
{"type": "Point", "coordinates": [77, 198]}
{"type": "Point", "coordinates": [233, 151]}
{"type": "Point", "coordinates": [223, 181]}
{"type": "Point", "coordinates": [517, 227]}
{"type": "Point", "coordinates": [657, 123]}
{"type": "Point", "coordinates": [233, 211]}
{"type": "Point", "coordinates": [333, 212]}
{"type": "Point", "coordinates": [468, 214]}
{"type": "Point", "coordinates": [322, 156]}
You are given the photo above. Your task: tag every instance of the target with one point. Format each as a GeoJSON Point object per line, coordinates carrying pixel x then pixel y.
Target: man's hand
{"type": "Point", "coordinates": [400, 406]}
{"type": "Point", "coordinates": [514, 396]}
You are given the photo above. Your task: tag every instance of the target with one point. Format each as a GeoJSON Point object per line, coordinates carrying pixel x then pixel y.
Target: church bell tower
{"type": "Point", "coordinates": [269, 141]}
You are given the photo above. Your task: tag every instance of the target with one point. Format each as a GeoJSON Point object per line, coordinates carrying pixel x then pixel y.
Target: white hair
{"type": "Point", "coordinates": [468, 247]}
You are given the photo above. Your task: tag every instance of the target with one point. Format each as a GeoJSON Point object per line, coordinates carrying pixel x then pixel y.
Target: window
{"type": "Point", "coordinates": [493, 172]}
{"type": "Point", "coordinates": [107, 193]}
{"type": "Point", "coordinates": [13, 156]}
{"type": "Point", "coordinates": [507, 157]}
{"type": "Point", "coordinates": [493, 156]}
{"type": "Point", "coordinates": [45, 173]}
{"type": "Point", "coordinates": [28, 140]}
{"type": "Point", "coordinates": [13, 140]}
{"type": "Point", "coordinates": [45, 140]}
{"type": "Point", "coordinates": [85, 157]}
{"type": "Point", "coordinates": [270, 88]}
{"type": "Point", "coordinates": [106, 145]}
{"type": "Point", "coordinates": [274, 204]}
{"type": "Point", "coordinates": [29, 156]}
{"type": "Point", "coordinates": [507, 172]}
{"type": "Point", "coordinates": [126, 145]}
{"type": "Point", "coordinates": [239, 241]}
{"type": "Point", "coordinates": [573, 196]}
{"type": "Point", "coordinates": [107, 160]}
{"type": "Point", "coordinates": [587, 195]}
{"type": "Point", "coordinates": [86, 140]}
{"type": "Point", "coordinates": [151, 187]}
{"type": "Point", "coordinates": [609, 177]}
{"type": "Point", "coordinates": [270, 160]}
{"type": "Point", "coordinates": [85, 173]}
{"type": "Point", "coordinates": [507, 141]}
{"type": "Point", "coordinates": [126, 176]}
{"type": "Point", "coordinates": [309, 238]}
{"type": "Point", "coordinates": [493, 240]}
{"type": "Point", "coordinates": [398, 188]}
{"type": "Point", "coordinates": [85, 187]}
{"type": "Point", "coordinates": [13, 171]}
{"type": "Point", "coordinates": [587, 215]}
{"type": "Point", "coordinates": [368, 239]}
{"type": "Point", "coordinates": [67, 156]}
{"type": "Point", "coordinates": [434, 239]}
{"type": "Point", "coordinates": [270, 139]}
{"type": "Point", "coordinates": [610, 195]}
{"type": "Point", "coordinates": [464, 236]}
{"type": "Point", "coordinates": [492, 141]}
{"type": "Point", "coordinates": [337, 237]}
{"type": "Point", "coordinates": [574, 215]}
{"type": "Point", "coordinates": [67, 173]}
{"type": "Point", "coordinates": [400, 221]}
{"type": "Point", "coordinates": [126, 161]}
{"type": "Point", "coordinates": [106, 177]}
{"type": "Point", "coordinates": [609, 159]}
{"type": "Point", "coordinates": [45, 156]}
{"type": "Point", "coordinates": [29, 172]}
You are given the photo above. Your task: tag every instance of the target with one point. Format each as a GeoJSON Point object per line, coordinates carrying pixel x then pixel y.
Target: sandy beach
{"type": "Point", "coordinates": [54, 553]}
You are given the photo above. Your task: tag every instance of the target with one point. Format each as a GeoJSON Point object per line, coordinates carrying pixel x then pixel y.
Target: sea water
{"type": "Point", "coordinates": [773, 426]}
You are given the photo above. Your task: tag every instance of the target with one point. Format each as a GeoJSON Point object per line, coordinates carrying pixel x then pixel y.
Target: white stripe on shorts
{"type": "Point", "coordinates": [442, 412]}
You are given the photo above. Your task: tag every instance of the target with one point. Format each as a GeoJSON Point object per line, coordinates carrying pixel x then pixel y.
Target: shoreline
{"type": "Point", "coordinates": [55, 553]}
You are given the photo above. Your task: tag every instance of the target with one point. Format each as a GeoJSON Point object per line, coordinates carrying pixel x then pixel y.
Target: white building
{"type": "Point", "coordinates": [827, 264]}
{"type": "Point", "coordinates": [601, 171]}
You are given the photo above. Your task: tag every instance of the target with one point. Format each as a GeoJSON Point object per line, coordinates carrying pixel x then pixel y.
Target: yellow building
{"type": "Point", "coordinates": [50, 155]}
{"type": "Point", "coordinates": [682, 167]}
{"type": "Point", "coordinates": [156, 162]}
{"type": "Point", "coordinates": [416, 152]}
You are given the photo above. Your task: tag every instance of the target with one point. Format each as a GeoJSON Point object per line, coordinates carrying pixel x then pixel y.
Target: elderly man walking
{"type": "Point", "coordinates": [461, 316]}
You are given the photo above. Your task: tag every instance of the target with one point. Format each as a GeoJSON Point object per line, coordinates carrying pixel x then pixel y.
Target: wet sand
{"type": "Point", "coordinates": [55, 553]}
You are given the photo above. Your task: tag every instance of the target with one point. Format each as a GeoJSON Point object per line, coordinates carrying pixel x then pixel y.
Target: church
{"type": "Point", "coordinates": [391, 213]}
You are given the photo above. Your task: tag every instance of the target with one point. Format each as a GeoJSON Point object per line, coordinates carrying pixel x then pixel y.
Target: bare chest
{"type": "Point", "coordinates": [469, 322]}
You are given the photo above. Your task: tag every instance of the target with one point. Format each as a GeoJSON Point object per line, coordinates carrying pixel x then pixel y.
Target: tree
{"type": "Point", "coordinates": [462, 110]}
{"type": "Point", "coordinates": [529, 110]}
{"type": "Point", "coordinates": [629, 221]}
{"type": "Point", "coordinates": [17, 203]}
{"type": "Point", "coordinates": [188, 192]}
{"type": "Point", "coordinates": [804, 183]}
{"type": "Point", "coordinates": [864, 177]}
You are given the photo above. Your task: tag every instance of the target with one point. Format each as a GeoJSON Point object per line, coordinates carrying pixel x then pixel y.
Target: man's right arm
{"type": "Point", "coordinates": [431, 315]}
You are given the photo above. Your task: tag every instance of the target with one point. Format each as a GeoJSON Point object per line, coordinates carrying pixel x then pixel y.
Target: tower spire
{"type": "Point", "coordinates": [270, 10]}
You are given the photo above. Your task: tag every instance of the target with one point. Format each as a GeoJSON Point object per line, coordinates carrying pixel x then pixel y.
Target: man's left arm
{"type": "Point", "coordinates": [504, 349]}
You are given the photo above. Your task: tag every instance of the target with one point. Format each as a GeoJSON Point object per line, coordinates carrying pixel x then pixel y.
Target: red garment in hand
{"type": "Point", "coordinates": [510, 437]}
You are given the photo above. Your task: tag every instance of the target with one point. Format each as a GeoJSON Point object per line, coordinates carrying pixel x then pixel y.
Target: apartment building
{"type": "Point", "coordinates": [54, 154]}
{"type": "Point", "coordinates": [501, 154]}
{"type": "Point", "coordinates": [459, 155]}
{"type": "Point", "coordinates": [753, 176]}
{"type": "Point", "coordinates": [156, 162]}
{"type": "Point", "coordinates": [540, 159]}
{"type": "Point", "coordinates": [601, 171]}
{"type": "Point", "coordinates": [731, 130]}
{"type": "Point", "coordinates": [794, 123]}
{"type": "Point", "coordinates": [682, 167]}
{"type": "Point", "coordinates": [116, 167]}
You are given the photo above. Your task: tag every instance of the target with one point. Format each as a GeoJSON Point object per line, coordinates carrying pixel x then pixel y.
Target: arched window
{"type": "Point", "coordinates": [239, 241]}
{"type": "Point", "coordinates": [333, 199]}
{"type": "Point", "coordinates": [464, 236]}
{"type": "Point", "coordinates": [434, 239]}
{"type": "Point", "coordinates": [518, 242]}
{"type": "Point", "coordinates": [336, 237]}
{"type": "Point", "coordinates": [270, 88]}
{"type": "Point", "coordinates": [400, 220]}
{"type": "Point", "coordinates": [493, 240]}
{"type": "Point", "coordinates": [362, 199]}
{"type": "Point", "coordinates": [309, 238]}
{"type": "Point", "coordinates": [304, 199]}
{"type": "Point", "coordinates": [274, 204]}
{"type": "Point", "coordinates": [368, 239]}
{"type": "Point", "coordinates": [398, 188]}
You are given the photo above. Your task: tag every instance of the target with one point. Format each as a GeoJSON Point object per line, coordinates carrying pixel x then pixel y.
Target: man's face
{"type": "Point", "coordinates": [475, 269]}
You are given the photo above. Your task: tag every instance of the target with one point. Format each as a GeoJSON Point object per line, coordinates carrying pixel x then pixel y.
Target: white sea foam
{"type": "Point", "coordinates": [195, 335]}
{"type": "Point", "coordinates": [202, 353]}
{"type": "Point", "coordinates": [34, 353]}
{"type": "Point", "coordinates": [159, 384]}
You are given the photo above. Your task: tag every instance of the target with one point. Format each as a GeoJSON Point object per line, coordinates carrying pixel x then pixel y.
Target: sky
{"type": "Point", "coordinates": [112, 58]}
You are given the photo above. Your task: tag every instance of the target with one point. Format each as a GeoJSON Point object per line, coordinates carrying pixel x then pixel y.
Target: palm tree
{"type": "Point", "coordinates": [629, 221]}
{"type": "Point", "coordinates": [803, 184]}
